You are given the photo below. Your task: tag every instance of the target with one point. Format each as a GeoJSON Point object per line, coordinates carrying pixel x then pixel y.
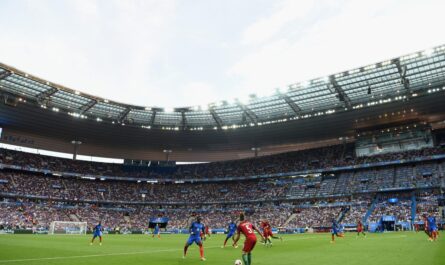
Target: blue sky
{"type": "Point", "coordinates": [177, 53]}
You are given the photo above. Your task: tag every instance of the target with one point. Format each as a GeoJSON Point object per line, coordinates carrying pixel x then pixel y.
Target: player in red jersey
{"type": "Point", "coordinates": [248, 230]}
{"type": "Point", "coordinates": [207, 231]}
{"type": "Point", "coordinates": [202, 235]}
{"type": "Point", "coordinates": [263, 225]}
{"type": "Point", "coordinates": [360, 228]}
{"type": "Point", "coordinates": [267, 232]}
{"type": "Point", "coordinates": [425, 226]}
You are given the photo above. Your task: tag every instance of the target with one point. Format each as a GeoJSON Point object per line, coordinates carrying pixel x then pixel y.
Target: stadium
{"type": "Point", "coordinates": [348, 168]}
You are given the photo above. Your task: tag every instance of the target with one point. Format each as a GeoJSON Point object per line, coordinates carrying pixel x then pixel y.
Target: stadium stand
{"type": "Point", "coordinates": [335, 148]}
{"type": "Point", "coordinates": [34, 199]}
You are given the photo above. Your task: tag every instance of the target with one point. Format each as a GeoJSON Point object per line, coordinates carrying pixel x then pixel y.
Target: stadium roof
{"type": "Point", "coordinates": [357, 88]}
{"type": "Point", "coordinates": [404, 90]}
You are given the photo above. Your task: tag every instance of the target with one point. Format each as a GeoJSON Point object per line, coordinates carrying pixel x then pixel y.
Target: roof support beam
{"type": "Point", "coordinates": [342, 96]}
{"type": "Point", "coordinates": [5, 74]}
{"type": "Point", "coordinates": [88, 106]}
{"type": "Point", "coordinates": [44, 96]}
{"type": "Point", "coordinates": [124, 114]}
{"type": "Point", "coordinates": [183, 117]}
{"type": "Point", "coordinates": [248, 112]}
{"type": "Point", "coordinates": [153, 116]}
{"type": "Point", "coordinates": [183, 120]}
{"type": "Point", "coordinates": [290, 102]}
{"type": "Point", "coordinates": [402, 72]}
{"type": "Point", "coordinates": [216, 117]}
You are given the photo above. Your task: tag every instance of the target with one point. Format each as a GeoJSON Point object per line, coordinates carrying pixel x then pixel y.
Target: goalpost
{"type": "Point", "coordinates": [69, 228]}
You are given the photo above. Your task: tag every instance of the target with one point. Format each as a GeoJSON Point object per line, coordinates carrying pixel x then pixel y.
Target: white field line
{"type": "Point", "coordinates": [298, 238]}
{"type": "Point", "coordinates": [329, 238]}
{"type": "Point", "coordinates": [388, 237]}
{"type": "Point", "coordinates": [90, 256]}
{"type": "Point", "coordinates": [144, 252]}
{"type": "Point", "coordinates": [98, 255]}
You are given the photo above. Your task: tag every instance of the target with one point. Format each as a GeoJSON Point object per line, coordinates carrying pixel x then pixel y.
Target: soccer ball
{"type": "Point", "coordinates": [238, 262]}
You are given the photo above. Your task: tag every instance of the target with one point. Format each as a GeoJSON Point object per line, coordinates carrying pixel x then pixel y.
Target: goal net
{"type": "Point", "coordinates": [71, 228]}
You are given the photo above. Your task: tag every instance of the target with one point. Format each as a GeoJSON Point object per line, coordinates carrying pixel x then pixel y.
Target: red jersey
{"type": "Point", "coordinates": [359, 225]}
{"type": "Point", "coordinates": [247, 229]}
{"type": "Point", "coordinates": [425, 221]}
{"type": "Point", "coordinates": [266, 226]}
{"type": "Point", "coordinates": [267, 229]}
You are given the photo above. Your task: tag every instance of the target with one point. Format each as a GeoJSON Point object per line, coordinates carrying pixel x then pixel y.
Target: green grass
{"type": "Point", "coordinates": [309, 249]}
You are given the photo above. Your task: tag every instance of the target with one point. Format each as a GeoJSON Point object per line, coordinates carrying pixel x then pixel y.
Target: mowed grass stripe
{"type": "Point", "coordinates": [123, 253]}
{"type": "Point", "coordinates": [309, 249]}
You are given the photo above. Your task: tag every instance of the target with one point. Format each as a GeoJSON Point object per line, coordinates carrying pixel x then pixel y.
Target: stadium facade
{"type": "Point", "coordinates": [366, 144]}
{"type": "Point", "coordinates": [403, 90]}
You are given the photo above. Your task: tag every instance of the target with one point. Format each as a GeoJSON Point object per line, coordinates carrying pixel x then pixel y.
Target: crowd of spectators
{"type": "Point", "coordinates": [400, 210]}
{"type": "Point", "coordinates": [319, 158]}
{"type": "Point", "coordinates": [426, 203]}
{"type": "Point", "coordinates": [26, 184]}
{"type": "Point", "coordinates": [31, 214]}
{"type": "Point", "coordinates": [23, 183]}
{"type": "Point", "coordinates": [27, 214]}
{"type": "Point", "coordinates": [320, 213]}
{"type": "Point", "coordinates": [129, 204]}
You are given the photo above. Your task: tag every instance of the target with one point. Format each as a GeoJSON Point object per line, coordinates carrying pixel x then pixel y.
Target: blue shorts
{"type": "Point", "coordinates": [335, 232]}
{"type": "Point", "coordinates": [96, 234]}
{"type": "Point", "coordinates": [432, 229]}
{"type": "Point", "coordinates": [194, 239]}
{"type": "Point", "coordinates": [230, 234]}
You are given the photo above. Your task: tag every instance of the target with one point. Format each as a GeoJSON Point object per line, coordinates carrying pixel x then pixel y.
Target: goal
{"type": "Point", "coordinates": [70, 228]}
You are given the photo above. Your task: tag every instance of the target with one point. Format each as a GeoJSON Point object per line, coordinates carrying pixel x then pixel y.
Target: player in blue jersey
{"type": "Point", "coordinates": [432, 228]}
{"type": "Point", "coordinates": [231, 230]}
{"type": "Point", "coordinates": [156, 231]}
{"type": "Point", "coordinates": [336, 231]}
{"type": "Point", "coordinates": [97, 232]}
{"type": "Point", "coordinates": [196, 228]}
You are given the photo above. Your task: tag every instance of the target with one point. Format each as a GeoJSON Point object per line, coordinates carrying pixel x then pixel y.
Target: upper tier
{"type": "Point", "coordinates": [321, 96]}
{"type": "Point", "coordinates": [332, 158]}
{"type": "Point", "coordinates": [49, 116]}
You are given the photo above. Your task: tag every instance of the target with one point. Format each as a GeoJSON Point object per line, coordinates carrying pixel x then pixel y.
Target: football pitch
{"type": "Point", "coordinates": [309, 249]}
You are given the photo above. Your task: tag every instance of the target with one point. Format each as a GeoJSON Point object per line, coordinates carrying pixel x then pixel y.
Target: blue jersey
{"type": "Point", "coordinates": [232, 227]}
{"type": "Point", "coordinates": [156, 228]}
{"type": "Point", "coordinates": [431, 223]}
{"type": "Point", "coordinates": [196, 229]}
{"type": "Point", "coordinates": [195, 233]}
{"type": "Point", "coordinates": [97, 229]}
{"type": "Point", "coordinates": [335, 227]}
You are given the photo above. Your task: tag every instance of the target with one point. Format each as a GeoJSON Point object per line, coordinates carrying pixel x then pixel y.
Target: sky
{"type": "Point", "coordinates": [180, 53]}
